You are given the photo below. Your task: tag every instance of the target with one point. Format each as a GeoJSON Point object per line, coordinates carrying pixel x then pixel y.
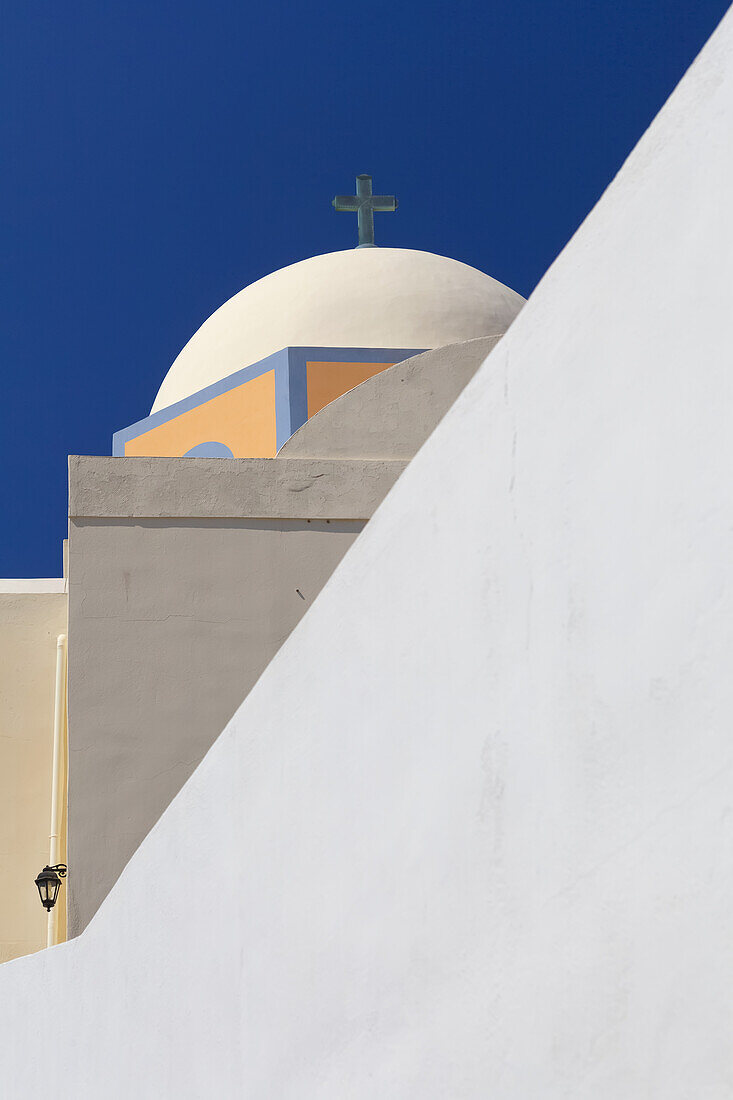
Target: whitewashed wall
{"type": "Point", "coordinates": [471, 835]}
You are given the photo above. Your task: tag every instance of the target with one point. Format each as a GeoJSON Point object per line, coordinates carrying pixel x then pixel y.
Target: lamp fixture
{"type": "Point", "coordinates": [49, 884]}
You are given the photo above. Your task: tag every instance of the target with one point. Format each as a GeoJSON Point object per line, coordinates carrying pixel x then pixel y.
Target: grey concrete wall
{"type": "Point", "coordinates": [392, 414]}
{"type": "Point", "coordinates": [173, 617]}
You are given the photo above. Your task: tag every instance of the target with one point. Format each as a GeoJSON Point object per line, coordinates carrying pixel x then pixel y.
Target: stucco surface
{"type": "Point", "coordinates": [391, 415]}
{"type": "Point", "coordinates": [362, 297]}
{"type": "Point", "coordinates": [186, 576]}
{"type": "Point", "coordinates": [32, 615]}
{"type": "Point", "coordinates": [203, 488]}
{"type": "Point", "coordinates": [471, 834]}
{"type": "Point", "coordinates": [171, 621]}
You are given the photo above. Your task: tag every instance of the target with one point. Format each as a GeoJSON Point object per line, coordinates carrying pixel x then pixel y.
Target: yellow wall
{"type": "Point", "coordinates": [243, 419]}
{"type": "Point", "coordinates": [29, 625]}
{"type": "Point", "coordinates": [327, 381]}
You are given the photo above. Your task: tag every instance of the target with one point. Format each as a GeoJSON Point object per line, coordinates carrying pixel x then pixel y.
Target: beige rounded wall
{"type": "Point", "coordinates": [368, 297]}
{"type": "Point", "coordinates": [32, 615]}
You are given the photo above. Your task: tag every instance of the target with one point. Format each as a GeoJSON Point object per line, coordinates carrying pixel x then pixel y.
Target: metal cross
{"type": "Point", "coordinates": [364, 204]}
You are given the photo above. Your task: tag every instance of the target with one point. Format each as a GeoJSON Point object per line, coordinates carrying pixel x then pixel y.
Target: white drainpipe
{"type": "Point", "coordinates": [57, 794]}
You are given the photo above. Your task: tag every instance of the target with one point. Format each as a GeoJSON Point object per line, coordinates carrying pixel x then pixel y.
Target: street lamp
{"type": "Point", "coordinates": [49, 884]}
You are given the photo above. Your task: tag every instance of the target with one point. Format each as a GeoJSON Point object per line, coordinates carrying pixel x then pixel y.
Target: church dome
{"type": "Point", "coordinates": [361, 298]}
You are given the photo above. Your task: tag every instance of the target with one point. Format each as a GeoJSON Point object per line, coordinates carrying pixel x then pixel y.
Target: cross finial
{"type": "Point", "coordinates": [364, 204]}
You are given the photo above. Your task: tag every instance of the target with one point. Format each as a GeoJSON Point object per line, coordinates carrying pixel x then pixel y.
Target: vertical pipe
{"type": "Point", "coordinates": [57, 795]}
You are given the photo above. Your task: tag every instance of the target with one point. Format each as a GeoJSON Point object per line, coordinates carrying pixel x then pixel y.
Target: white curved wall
{"type": "Point", "coordinates": [471, 833]}
{"type": "Point", "coordinates": [363, 298]}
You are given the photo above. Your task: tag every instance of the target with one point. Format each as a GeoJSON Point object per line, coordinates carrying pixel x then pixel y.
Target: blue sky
{"type": "Point", "coordinates": [159, 156]}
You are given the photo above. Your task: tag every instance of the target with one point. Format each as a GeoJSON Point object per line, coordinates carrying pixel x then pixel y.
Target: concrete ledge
{"type": "Point", "coordinates": [250, 488]}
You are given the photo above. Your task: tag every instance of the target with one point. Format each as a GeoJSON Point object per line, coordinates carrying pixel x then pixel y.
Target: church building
{"type": "Point", "coordinates": [375, 742]}
{"type": "Point", "coordinates": [197, 546]}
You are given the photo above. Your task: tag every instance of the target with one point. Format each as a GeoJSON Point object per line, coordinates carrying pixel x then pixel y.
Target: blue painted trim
{"type": "Point", "coordinates": [291, 397]}
{"type": "Point", "coordinates": [246, 374]}
{"type": "Point", "coordinates": [301, 355]}
{"type": "Point", "coordinates": [297, 395]}
{"type": "Point", "coordinates": [283, 419]}
{"type": "Point", "coordinates": [299, 359]}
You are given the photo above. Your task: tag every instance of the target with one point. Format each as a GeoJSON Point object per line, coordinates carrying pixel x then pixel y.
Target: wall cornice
{"type": "Point", "coordinates": [242, 488]}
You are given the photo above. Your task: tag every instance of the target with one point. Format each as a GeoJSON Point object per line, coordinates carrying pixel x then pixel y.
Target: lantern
{"type": "Point", "coordinates": [49, 884]}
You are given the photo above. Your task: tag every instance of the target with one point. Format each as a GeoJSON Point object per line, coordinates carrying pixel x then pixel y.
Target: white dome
{"type": "Point", "coordinates": [362, 298]}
